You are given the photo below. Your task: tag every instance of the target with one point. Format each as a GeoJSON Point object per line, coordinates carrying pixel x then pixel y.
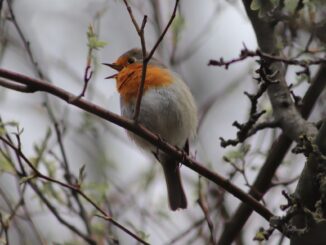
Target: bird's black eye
{"type": "Point", "coordinates": [131, 60]}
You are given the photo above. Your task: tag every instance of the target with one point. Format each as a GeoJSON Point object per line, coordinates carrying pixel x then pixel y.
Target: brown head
{"type": "Point", "coordinates": [132, 56]}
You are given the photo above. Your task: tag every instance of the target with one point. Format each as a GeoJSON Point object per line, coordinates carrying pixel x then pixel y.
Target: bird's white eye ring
{"type": "Point", "coordinates": [131, 60]}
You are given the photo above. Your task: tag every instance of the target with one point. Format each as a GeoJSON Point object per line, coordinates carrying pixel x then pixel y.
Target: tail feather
{"type": "Point", "coordinates": [176, 194]}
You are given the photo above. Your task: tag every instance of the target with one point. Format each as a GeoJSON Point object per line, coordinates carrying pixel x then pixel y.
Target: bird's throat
{"type": "Point", "coordinates": [129, 78]}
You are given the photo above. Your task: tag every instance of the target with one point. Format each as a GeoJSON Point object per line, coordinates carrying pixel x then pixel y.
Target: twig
{"type": "Point", "coordinates": [157, 9]}
{"type": "Point", "coordinates": [285, 182]}
{"type": "Point", "coordinates": [263, 125]}
{"type": "Point", "coordinates": [8, 142]}
{"type": "Point", "coordinates": [196, 43]}
{"type": "Point", "coordinates": [68, 176]}
{"type": "Point", "coordinates": [204, 207]}
{"type": "Point", "coordinates": [186, 231]}
{"type": "Point", "coordinates": [143, 74]}
{"type": "Point", "coordinates": [108, 218]}
{"type": "Point", "coordinates": [56, 213]}
{"type": "Point", "coordinates": [74, 188]}
{"type": "Point", "coordinates": [25, 41]}
{"type": "Point", "coordinates": [159, 40]}
{"type": "Point", "coordinates": [87, 77]}
{"type": "Point", "coordinates": [146, 58]}
{"type": "Point", "coordinates": [140, 32]}
{"type": "Point", "coordinates": [247, 129]}
{"type": "Point", "coordinates": [245, 53]}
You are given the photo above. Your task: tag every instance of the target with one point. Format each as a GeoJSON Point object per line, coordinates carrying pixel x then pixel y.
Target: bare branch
{"type": "Point", "coordinates": [74, 188]}
{"type": "Point", "coordinates": [202, 201]}
{"type": "Point", "coordinates": [25, 41]}
{"type": "Point", "coordinates": [142, 132]}
{"type": "Point", "coordinates": [245, 53]}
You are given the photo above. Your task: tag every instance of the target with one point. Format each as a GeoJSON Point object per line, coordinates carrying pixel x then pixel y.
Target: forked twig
{"type": "Point", "coordinates": [146, 57]}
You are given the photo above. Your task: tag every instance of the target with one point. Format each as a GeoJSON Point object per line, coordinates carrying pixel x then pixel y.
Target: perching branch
{"type": "Point", "coordinates": [142, 132]}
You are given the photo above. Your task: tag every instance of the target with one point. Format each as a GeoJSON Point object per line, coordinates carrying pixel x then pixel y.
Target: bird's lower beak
{"type": "Point", "coordinates": [112, 76]}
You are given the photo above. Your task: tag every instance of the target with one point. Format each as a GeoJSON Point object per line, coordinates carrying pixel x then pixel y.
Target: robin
{"type": "Point", "coordinates": [167, 109]}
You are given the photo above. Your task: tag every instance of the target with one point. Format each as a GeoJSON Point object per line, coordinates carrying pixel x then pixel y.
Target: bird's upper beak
{"type": "Point", "coordinates": [115, 67]}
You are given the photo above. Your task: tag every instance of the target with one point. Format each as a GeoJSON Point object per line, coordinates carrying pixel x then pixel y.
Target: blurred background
{"type": "Point", "coordinates": [119, 177]}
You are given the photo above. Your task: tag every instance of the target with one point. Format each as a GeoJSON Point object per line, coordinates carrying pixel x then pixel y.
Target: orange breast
{"type": "Point", "coordinates": [129, 78]}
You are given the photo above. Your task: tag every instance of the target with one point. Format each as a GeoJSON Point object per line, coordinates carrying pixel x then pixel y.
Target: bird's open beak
{"type": "Point", "coordinates": [115, 67]}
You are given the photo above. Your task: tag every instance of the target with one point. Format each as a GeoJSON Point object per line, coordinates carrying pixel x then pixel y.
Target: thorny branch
{"type": "Point", "coordinates": [246, 53]}
{"type": "Point", "coordinates": [273, 160]}
{"type": "Point", "coordinates": [294, 207]}
{"type": "Point", "coordinates": [284, 110]}
{"type": "Point", "coordinates": [249, 128]}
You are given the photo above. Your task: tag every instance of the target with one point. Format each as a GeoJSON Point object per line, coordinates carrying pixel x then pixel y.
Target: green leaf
{"type": "Point", "coordinates": [275, 2]}
{"type": "Point", "coordinates": [141, 233]}
{"type": "Point", "coordinates": [144, 235]}
{"type": "Point", "coordinates": [20, 131]}
{"type": "Point", "coordinates": [82, 175]}
{"type": "Point", "coordinates": [264, 7]}
{"type": "Point", "coordinates": [41, 148]}
{"type": "Point", "coordinates": [178, 25]}
{"type": "Point", "coordinates": [237, 154]}
{"type": "Point", "coordinates": [99, 228]}
{"type": "Point", "coordinates": [10, 123]}
{"type": "Point", "coordinates": [290, 5]}
{"type": "Point", "coordinates": [233, 155]}
{"type": "Point", "coordinates": [50, 167]}
{"type": "Point", "coordinates": [99, 187]}
{"type": "Point", "coordinates": [260, 236]}
{"type": "Point", "coordinates": [5, 165]}
{"type": "Point", "coordinates": [50, 191]}
{"type": "Point", "coordinates": [245, 148]}
{"type": "Point", "coordinates": [93, 42]}
{"type": "Point", "coordinates": [255, 5]}
{"type": "Point", "coordinates": [27, 178]}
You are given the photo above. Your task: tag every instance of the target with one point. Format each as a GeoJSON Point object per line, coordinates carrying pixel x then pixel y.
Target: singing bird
{"type": "Point", "coordinates": [167, 109]}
